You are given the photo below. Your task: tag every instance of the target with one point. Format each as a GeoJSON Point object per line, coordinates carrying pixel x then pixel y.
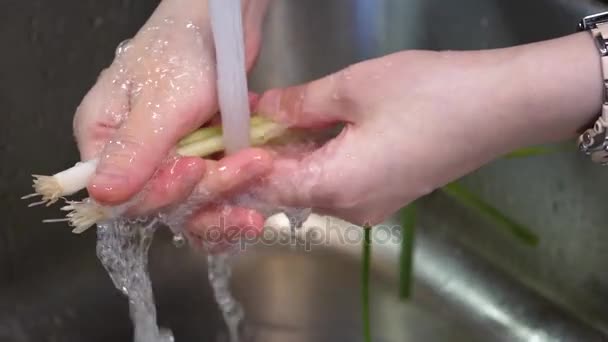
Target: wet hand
{"type": "Point", "coordinates": [413, 122]}
{"type": "Point", "coordinates": [160, 87]}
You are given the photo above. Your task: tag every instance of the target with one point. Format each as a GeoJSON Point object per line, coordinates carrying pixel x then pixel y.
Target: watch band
{"type": "Point", "coordinates": [594, 141]}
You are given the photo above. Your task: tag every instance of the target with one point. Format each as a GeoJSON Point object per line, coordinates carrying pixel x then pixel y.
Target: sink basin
{"type": "Point", "coordinates": [484, 287]}
{"type": "Point", "coordinates": [295, 293]}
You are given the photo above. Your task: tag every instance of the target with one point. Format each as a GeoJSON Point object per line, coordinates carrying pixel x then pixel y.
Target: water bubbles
{"type": "Point", "coordinates": [118, 143]}
{"type": "Point", "coordinates": [297, 216]}
{"type": "Point", "coordinates": [347, 74]}
{"type": "Point", "coordinates": [122, 248]}
{"type": "Point", "coordinates": [166, 335]}
{"type": "Point", "coordinates": [179, 240]}
{"type": "Point", "coordinates": [122, 48]}
{"type": "Point", "coordinates": [152, 28]}
{"type": "Point", "coordinates": [173, 60]}
{"type": "Point", "coordinates": [219, 275]}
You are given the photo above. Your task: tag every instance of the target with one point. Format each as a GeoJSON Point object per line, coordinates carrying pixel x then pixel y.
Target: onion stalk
{"type": "Point", "coordinates": [84, 214]}
{"type": "Point", "coordinates": [406, 259]}
{"type": "Point", "coordinates": [365, 275]}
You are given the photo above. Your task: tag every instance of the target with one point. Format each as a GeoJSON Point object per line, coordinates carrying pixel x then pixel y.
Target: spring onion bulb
{"type": "Point", "coordinates": [64, 183]}
{"type": "Point", "coordinates": [84, 214]}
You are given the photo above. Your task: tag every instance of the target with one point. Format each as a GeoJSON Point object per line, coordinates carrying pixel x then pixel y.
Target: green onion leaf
{"type": "Point", "coordinates": [367, 247]}
{"type": "Point", "coordinates": [408, 222]}
{"type": "Point", "coordinates": [467, 198]}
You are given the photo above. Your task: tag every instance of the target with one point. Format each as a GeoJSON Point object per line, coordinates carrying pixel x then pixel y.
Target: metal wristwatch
{"type": "Point", "coordinates": [594, 141]}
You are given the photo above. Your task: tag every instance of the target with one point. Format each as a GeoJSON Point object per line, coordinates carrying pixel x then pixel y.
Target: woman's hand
{"type": "Point", "coordinates": [418, 120]}
{"type": "Point", "coordinates": [160, 87]}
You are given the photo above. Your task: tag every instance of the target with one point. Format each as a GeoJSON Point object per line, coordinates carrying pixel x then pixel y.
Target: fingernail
{"type": "Point", "coordinates": [108, 187]}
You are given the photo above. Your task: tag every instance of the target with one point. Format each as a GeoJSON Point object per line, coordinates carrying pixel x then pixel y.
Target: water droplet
{"type": "Point", "coordinates": [122, 48]}
{"type": "Point", "coordinates": [347, 74]}
{"type": "Point", "coordinates": [297, 216]}
{"type": "Point", "coordinates": [179, 240]}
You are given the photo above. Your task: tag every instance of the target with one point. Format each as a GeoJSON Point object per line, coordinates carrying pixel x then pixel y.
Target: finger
{"type": "Point", "coordinates": [234, 172]}
{"type": "Point", "coordinates": [132, 156]}
{"type": "Point", "coordinates": [99, 114]}
{"type": "Point", "coordinates": [254, 98]}
{"type": "Point", "coordinates": [253, 19]}
{"type": "Point", "coordinates": [321, 178]}
{"type": "Point", "coordinates": [253, 101]}
{"type": "Point", "coordinates": [315, 104]}
{"type": "Point", "coordinates": [219, 227]}
{"type": "Point", "coordinates": [172, 183]}
{"type": "Point", "coordinates": [357, 215]}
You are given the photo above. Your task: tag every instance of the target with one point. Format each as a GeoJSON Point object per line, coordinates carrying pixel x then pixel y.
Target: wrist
{"type": "Point", "coordinates": [532, 94]}
{"type": "Point", "coordinates": [560, 87]}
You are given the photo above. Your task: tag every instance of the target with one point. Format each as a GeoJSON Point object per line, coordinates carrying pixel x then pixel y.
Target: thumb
{"type": "Point", "coordinates": [141, 143]}
{"type": "Point", "coordinates": [316, 104]}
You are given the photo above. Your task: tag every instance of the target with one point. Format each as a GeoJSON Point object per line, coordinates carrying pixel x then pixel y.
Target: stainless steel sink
{"type": "Point", "coordinates": [472, 281]}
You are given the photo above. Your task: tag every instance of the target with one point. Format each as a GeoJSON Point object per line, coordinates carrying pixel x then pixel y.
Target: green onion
{"type": "Point", "coordinates": [200, 134]}
{"type": "Point", "coordinates": [82, 215]}
{"type": "Point", "coordinates": [367, 247]}
{"type": "Point", "coordinates": [207, 141]}
{"type": "Point", "coordinates": [535, 151]}
{"type": "Point", "coordinates": [64, 183]}
{"type": "Point", "coordinates": [212, 131]}
{"type": "Point", "coordinates": [467, 198]}
{"type": "Point", "coordinates": [408, 223]}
